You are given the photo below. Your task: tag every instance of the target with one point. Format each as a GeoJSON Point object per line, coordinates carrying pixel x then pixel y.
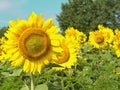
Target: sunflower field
{"type": "Point", "coordinates": [34, 55]}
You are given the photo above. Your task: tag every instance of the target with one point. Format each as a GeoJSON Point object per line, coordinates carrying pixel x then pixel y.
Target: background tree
{"type": "Point", "coordinates": [85, 15]}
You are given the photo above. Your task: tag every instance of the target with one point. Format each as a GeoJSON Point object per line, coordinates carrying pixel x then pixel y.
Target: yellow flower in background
{"type": "Point", "coordinates": [68, 57]}
{"type": "Point", "coordinates": [107, 33]}
{"type": "Point", "coordinates": [116, 43]}
{"type": "Point", "coordinates": [75, 36]}
{"type": "Point", "coordinates": [97, 39]}
{"type": "Point", "coordinates": [101, 38]}
{"type": "Point", "coordinates": [117, 35]}
{"type": "Point", "coordinates": [31, 43]}
{"type": "Point", "coordinates": [117, 48]}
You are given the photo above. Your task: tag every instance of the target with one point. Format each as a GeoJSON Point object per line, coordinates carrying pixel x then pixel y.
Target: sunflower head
{"type": "Point", "coordinates": [76, 34]}
{"type": "Point", "coordinates": [102, 37]}
{"type": "Point", "coordinates": [67, 57]}
{"type": "Point", "coordinates": [34, 43]}
{"type": "Point", "coordinates": [107, 33]}
{"type": "Point", "coordinates": [31, 42]}
{"type": "Point", "coordinates": [97, 39]}
{"type": "Point", "coordinates": [63, 56]}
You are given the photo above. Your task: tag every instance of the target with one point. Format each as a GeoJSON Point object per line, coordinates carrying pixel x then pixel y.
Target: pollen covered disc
{"type": "Point", "coordinates": [99, 39]}
{"type": "Point", "coordinates": [34, 43]}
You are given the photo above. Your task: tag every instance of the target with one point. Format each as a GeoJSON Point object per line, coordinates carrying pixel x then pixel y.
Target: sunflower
{"type": "Point", "coordinates": [31, 42]}
{"type": "Point", "coordinates": [75, 36]}
{"type": "Point", "coordinates": [97, 39]}
{"type": "Point", "coordinates": [101, 38]}
{"type": "Point", "coordinates": [68, 57]}
{"type": "Point", "coordinates": [117, 48]}
{"type": "Point", "coordinates": [116, 43]}
{"type": "Point", "coordinates": [107, 33]}
{"type": "Point", "coordinates": [117, 35]}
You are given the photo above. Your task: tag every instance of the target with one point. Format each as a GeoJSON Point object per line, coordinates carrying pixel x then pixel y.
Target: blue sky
{"type": "Point", "coordinates": [12, 9]}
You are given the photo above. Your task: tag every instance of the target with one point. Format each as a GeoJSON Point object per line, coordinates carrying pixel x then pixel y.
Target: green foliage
{"type": "Point", "coordinates": [9, 79]}
{"type": "Point", "coordinates": [100, 67]}
{"type": "Point", "coordinates": [85, 15]}
{"type": "Point", "coordinates": [96, 69]}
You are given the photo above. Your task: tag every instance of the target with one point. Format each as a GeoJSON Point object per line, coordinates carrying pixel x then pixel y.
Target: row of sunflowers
{"type": "Point", "coordinates": [35, 43]}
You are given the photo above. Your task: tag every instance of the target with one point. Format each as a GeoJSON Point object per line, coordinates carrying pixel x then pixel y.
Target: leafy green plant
{"type": "Point", "coordinates": [96, 69]}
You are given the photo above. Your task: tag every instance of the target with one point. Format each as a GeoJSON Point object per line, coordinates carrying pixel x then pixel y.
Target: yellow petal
{"type": "Point", "coordinates": [32, 65]}
{"type": "Point", "coordinates": [40, 65]}
{"type": "Point", "coordinates": [15, 56]}
{"type": "Point", "coordinates": [12, 50]}
{"type": "Point", "coordinates": [53, 29]}
{"type": "Point", "coordinates": [47, 24]}
{"type": "Point", "coordinates": [18, 62]}
{"type": "Point", "coordinates": [55, 42]}
{"type": "Point", "coordinates": [32, 18]}
{"type": "Point", "coordinates": [40, 21]}
{"type": "Point", "coordinates": [57, 49]}
{"type": "Point", "coordinates": [26, 66]}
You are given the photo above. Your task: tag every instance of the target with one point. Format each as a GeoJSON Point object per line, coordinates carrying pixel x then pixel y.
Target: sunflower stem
{"type": "Point", "coordinates": [32, 82]}
{"type": "Point", "coordinates": [62, 81]}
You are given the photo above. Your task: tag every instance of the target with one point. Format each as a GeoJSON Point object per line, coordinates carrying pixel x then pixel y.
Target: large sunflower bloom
{"type": "Point", "coordinates": [68, 57]}
{"type": "Point", "coordinates": [101, 38]}
{"type": "Point", "coordinates": [31, 43]}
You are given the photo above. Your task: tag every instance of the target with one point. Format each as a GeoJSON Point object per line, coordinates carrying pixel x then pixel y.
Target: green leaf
{"type": "Point", "coordinates": [51, 86]}
{"type": "Point", "coordinates": [16, 72]}
{"type": "Point", "coordinates": [53, 65]}
{"type": "Point", "coordinates": [6, 74]}
{"type": "Point", "coordinates": [24, 88]}
{"type": "Point", "coordinates": [41, 87]}
{"type": "Point", "coordinates": [118, 70]}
